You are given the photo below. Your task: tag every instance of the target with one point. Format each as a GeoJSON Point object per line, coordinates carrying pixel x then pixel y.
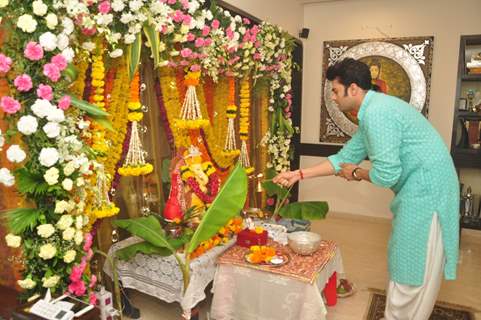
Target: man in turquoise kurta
{"type": "Point", "coordinates": [409, 157]}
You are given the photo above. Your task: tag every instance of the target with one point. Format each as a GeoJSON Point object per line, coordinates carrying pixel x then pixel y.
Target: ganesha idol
{"type": "Point", "coordinates": [194, 185]}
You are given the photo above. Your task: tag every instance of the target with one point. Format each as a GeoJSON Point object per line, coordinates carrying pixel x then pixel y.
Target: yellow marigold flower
{"type": "Point", "coordinates": [135, 116]}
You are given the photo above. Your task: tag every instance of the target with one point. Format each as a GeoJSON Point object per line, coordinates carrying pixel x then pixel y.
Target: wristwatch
{"type": "Point", "coordinates": [354, 174]}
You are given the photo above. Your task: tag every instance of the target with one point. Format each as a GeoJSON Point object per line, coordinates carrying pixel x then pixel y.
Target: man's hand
{"type": "Point", "coordinates": [287, 179]}
{"type": "Point", "coordinates": [346, 171]}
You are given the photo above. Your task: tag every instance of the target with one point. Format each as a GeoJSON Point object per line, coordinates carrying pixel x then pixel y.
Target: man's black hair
{"type": "Point", "coordinates": [350, 71]}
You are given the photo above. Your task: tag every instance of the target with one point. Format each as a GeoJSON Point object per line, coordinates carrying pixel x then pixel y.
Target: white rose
{"type": "Point", "coordinates": [48, 41]}
{"type": "Point", "coordinates": [41, 108]}
{"type": "Point", "coordinates": [68, 234]}
{"type": "Point", "coordinates": [79, 237]}
{"type": "Point", "coordinates": [27, 23]}
{"type": "Point", "coordinates": [3, 3]}
{"type": "Point", "coordinates": [68, 53]}
{"type": "Point", "coordinates": [116, 53]}
{"type": "Point", "coordinates": [6, 177]}
{"type": "Point", "coordinates": [45, 230]}
{"type": "Point", "coordinates": [118, 5]}
{"type": "Point", "coordinates": [50, 282]}
{"type": "Point", "coordinates": [47, 251]}
{"type": "Point", "coordinates": [56, 115]}
{"type": "Point", "coordinates": [62, 41]}
{"type": "Point", "coordinates": [104, 19]}
{"type": "Point", "coordinates": [16, 154]}
{"type": "Point", "coordinates": [27, 125]}
{"type": "Point", "coordinates": [67, 184]}
{"type": "Point", "coordinates": [68, 25]}
{"type": "Point", "coordinates": [27, 283]}
{"type": "Point", "coordinates": [80, 182]}
{"type": "Point", "coordinates": [79, 222]}
{"type": "Point", "coordinates": [39, 8]}
{"type": "Point", "coordinates": [184, 29]}
{"type": "Point", "coordinates": [69, 256]}
{"type": "Point", "coordinates": [129, 38]}
{"type": "Point", "coordinates": [51, 129]}
{"type": "Point", "coordinates": [51, 176]}
{"type": "Point", "coordinates": [69, 168]}
{"type": "Point", "coordinates": [52, 21]}
{"type": "Point", "coordinates": [13, 241]}
{"type": "Point", "coordinates": [48, 157]}
{"type": "Point", "coordinates": [89, 46]}
{"type": "Point", "coordinates": [64, 222]}
{"type": "Point", "coordinates": [135, 5]}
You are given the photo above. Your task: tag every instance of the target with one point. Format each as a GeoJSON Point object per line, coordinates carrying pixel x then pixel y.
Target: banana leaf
{"type": "Point", "coordinates": [306, 210]}
{"type": "Point", "coordinates": [147, 228]}
{"type": "Point", "coordinates": [87, 107]}
{"type": "Point", "coordinates": [148, 248]}
{"type": "Point", "coordinates": [274, 189]}
{"type": "Point", "coordinates": [141, 247]}
{"type": "Point", "coordinates": [153, 39]}
{"type": "Point", "coordinates": [104, 122]}
{"type": "Point", "coordinates": [227, 204]}
{"type": "Point", "coordinates": [133, 55]}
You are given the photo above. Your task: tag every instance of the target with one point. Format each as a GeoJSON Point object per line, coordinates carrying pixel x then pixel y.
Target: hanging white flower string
{"type": "Point", "coordinates": [190, 114]}
{"type": "Point", "coordinates": [245, 100]}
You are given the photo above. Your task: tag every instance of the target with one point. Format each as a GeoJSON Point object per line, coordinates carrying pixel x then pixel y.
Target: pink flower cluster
{"type": "Point", "coordinates": [57, 64]}
{"type": "Point", "coordinates": [23, 83]}
{"type": "Point", "coordinates": [33, 51]}
{"type": "Point", "coordinates": [5, 63]}
{"type": "Point", "coordinates": [9, 105]}
{"type": "Point", "coordinates": [77, 285]}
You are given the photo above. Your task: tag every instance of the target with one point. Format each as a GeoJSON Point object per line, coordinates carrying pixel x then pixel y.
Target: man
{"type": "Point", "coordinates": [409, 157]}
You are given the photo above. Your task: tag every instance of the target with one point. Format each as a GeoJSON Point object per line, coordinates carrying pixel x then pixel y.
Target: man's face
{"type": "Point", "coordinates": [342, 97]}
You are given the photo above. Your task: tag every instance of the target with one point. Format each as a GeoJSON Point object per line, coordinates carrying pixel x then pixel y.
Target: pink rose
{"type": "Point", "coordinates": [187, 19]}
{"type": "Point", "coordinates": [93, 299]}
{"type": "Point", "coordinates": [88, 242]}
{"type": "Point", "coordinates": [64, 102]}
{"type": "Point", "coordinates": [257, 56]}
{"type": "Point", "coordinates": [185, 4]}
{"type": "Point", "coordinates": [45, 92]}
{"type": "Point", "coordinates": [89, 31]}
{"type": "Point", "coordinates": [9, 105]}
{"type": "Point", "coordinates": [23, 82]}
{"type": "Point", "coordinates": [190, 37]}
{"type": "Point", "coordinates": [77, 288]}
{"type": "Point", "coordinates": [205, 31]}
{"type": "Point", "coordinates": [60, 61]}
{"type": "Point", "coordinates": [270, 201]}
{"type": "Point", "coordinates": [93, 281]}
{"type": "Point", "coordinates": [172, 64]}
{"type": "Point", "coordinates": [246, 21]}
{"type": "Point", "coordinates": [164, 29]}
{"type": "Point", "coordinates": [199, 42]}
{"type": "Point", "coordinates": [215, 24]}
{"type": "Point", "coordinates": [184, 63]}
{"type": "Point", "coordinates": [178, 16]}
{"type": "Point", "coordinates": [33, 51]}
{"type": "Point", "coordinates": [171, 1]}
{"type": "Point", "coordinates": [51, 71]}
{"type": "Point", "coordinates": [229, 33]}
{"type": "Point", "coordinates": [207, 42]}
{"type": "Point", "coordinates": [104, 7]}
{"type": "Point", "coordinates": [185, 53]}
{"type": "Point", "coordinates": [76, 274]}
{"type": "Point", "coordinates": [195, 68]}
{"type": "Point", "coordinates": [5, 63]}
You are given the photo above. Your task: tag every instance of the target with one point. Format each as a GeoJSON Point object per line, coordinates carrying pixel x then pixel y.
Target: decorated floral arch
{"type": "Point", "coordinates": [73, 108]}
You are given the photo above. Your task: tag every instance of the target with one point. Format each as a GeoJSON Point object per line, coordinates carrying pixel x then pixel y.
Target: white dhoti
{"type": "Point", "coordinates": [404, 302]}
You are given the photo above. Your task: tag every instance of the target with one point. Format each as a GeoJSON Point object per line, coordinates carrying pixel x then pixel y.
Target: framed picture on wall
{"type": "Point", "coordinates": [463, 104]}
{"type": "Point", "coordinates": [399, 66]}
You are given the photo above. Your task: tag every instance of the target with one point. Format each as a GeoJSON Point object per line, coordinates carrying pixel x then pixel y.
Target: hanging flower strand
{"type": "Point", "coordinates": [103, 206]}
{"type": "Point", "coordinates": [245, 99]}
{"type": "Point", "coordinates": [190, 114]}
{"type": "Point", "coordinates": [230, 147]}
{"type": "Point", "coordinates": [135, 164]}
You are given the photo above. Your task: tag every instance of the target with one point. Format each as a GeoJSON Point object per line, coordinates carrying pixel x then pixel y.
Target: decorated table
{"type": "Point", "coordinates": [161, 277]}
{"type": "Point", "coordinates": [291, 291]}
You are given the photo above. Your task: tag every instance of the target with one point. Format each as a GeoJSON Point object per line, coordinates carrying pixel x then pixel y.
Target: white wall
{"type": "Point", "coordinates": [287, 14]}
{"type": "Point", "coordinates": [446, 20]}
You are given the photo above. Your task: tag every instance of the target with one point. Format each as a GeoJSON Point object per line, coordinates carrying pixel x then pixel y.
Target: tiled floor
{"type": "Point", "coordinates": [363, 243]}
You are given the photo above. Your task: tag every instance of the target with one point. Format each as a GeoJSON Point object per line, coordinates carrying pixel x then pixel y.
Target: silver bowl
{"type": "Point", "coordinates": [304, 242]}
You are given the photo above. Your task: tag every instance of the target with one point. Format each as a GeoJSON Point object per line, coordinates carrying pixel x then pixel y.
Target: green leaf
{"type": "Point", "coordinates": [227, 204]}
{"type": "Point", "coordinates": [308, 210]}
{"type": "Point", "coordinates": [90, 109]}
{"type": "Point", "coordinates": [30, 184]}
{"type": "Point", "coordinates": [22, 218]}
{"type": "Point", "coordinates": [166, 170]}
{"type": "Point", "coordinates": [133, 55]}
{"type": "Point", "coordinates": [153, 39]}
{"type": "Point", "coordinates": [104, 122]}
{"type": "Point", "coordinates": [147, 228]}
{"type": "Point", "coordinates": [141, 247]}
{"type": "Point", "coordinates": [274, 189]}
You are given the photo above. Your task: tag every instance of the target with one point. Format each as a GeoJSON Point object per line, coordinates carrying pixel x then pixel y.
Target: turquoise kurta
{"type": "Point", "coordinates": [409, 157]}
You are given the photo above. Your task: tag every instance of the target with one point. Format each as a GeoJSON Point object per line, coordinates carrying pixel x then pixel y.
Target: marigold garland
{"type": "Point", "coordinates": [212, 186]}
{"type": "Point", "coordinates": [99, 142]}
{"type": "Point", "coordinates": [244, 122]}
{"type": "Point", "coordinates": [190, 116]}
{"type": "Point", "coordinates": [230, 148]}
